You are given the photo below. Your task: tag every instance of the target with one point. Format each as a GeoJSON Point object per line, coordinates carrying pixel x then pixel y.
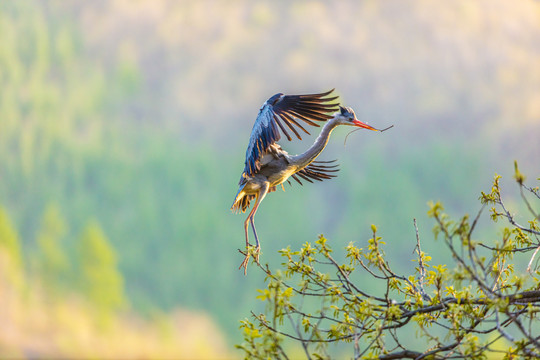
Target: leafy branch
{"type": "Point", "coordinates": [482, 305]}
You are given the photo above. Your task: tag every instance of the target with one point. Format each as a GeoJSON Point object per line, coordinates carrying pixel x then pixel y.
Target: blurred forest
{"type": "Point", "coordinates": [123, 128]}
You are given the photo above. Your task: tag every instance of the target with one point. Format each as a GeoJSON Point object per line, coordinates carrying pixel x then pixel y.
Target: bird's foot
{"type": "Point", "coordinates": [244, 263]}
{"type": "Point", "coordinates": [250, 249]}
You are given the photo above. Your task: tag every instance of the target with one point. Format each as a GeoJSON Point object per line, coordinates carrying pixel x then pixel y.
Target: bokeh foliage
{"type": "Point", "coordinates": [62, 307]}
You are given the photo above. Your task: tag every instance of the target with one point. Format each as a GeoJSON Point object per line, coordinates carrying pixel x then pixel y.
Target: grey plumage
{"type": "Point", "coordinates": [267, 165]}
{"type": "Point", "coordinates": [281, 112]}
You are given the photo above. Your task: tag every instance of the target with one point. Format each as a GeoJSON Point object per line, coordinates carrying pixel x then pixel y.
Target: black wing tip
{"type": "Point", "coordinates": [323, 94]}
{"type": "Point", "coordinates": [287, 112]}
{"type": "Point", "coordinates": [307, 108]}
{"type": "Point", "coordinates": [317, 172]}
{"type": "Point", "coordinates": [319, 96]}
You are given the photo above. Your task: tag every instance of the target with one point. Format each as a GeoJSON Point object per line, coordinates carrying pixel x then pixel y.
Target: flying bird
{"type": "Point", "coordinates": [267, 165]}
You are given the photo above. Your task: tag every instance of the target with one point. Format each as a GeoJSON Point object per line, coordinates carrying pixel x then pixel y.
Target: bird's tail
{"type": "Point", "coordinates": [241, 200]}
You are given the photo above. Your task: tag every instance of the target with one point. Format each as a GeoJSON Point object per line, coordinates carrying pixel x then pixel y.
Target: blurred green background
{"type": "Point", "coordinates": [123, 128]}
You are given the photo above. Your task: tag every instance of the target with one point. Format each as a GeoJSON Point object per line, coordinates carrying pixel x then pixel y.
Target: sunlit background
{"type": "Point", "coordinates": [123, 128]}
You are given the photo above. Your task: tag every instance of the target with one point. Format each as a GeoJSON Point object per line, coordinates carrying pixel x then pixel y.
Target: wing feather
{"type": "Point", "coordinates": [316, 171]}
{"type": "Point", "coordinates": [278, 121]}
{"type": "Point", "coordinates": [289, 124]}
{"type": "Point", "coordinates": [291, 121]}
{"type": "Point", "coordinates": [281, 112]}
{"type": "Point", "coordinates": [290, 116]}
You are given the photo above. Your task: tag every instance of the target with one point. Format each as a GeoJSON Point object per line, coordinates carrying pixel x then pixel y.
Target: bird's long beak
{"type": "Point", "coordinates": [363, 125]}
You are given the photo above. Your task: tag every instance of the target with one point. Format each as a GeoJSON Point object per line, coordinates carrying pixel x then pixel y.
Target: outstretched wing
{"type": "Point", "coordinates": [317, 170]}
{"type": "Point", "coordinates": [281, 112]}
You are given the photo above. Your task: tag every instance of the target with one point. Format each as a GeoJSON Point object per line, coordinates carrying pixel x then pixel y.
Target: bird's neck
{"type": "Point", "coordinates": [306, 158]}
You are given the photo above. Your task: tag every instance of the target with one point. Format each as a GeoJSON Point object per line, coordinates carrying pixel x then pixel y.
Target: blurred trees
{"type": "Point", "coordinates": [84, 321]}
{"type": "Point", "coordinates": [10, 246]}
{"type": "Point", "coordinates": [100, 281]}
{"type": "Point", "coordinates": [52, 262]}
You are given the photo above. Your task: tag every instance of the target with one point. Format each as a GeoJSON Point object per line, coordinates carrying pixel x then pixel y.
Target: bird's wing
{"type": "Point", "coordinates": [281, 112]}
{"type": "Point", "coordinates": [317, 170]}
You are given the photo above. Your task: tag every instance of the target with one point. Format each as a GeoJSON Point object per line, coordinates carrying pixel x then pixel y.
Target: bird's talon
{"type": "Point", "coordinates": [247, 254]}
{"type": "Point", "coordinates": [244, 263]}
{"type": "Point", "coordinates": [243, 253]}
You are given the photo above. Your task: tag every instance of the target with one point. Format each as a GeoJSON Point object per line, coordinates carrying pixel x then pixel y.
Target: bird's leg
{"type": "Point", "coordinates": [247, 254]}
{"type": "Point", "coordinates": [246, 225]}
{"type": "Point", "coordinates": [258, 245]}
{"type": "Point", "coordinates": [262, 193]}
{"type": "Point", "coordinates": [258, 198]}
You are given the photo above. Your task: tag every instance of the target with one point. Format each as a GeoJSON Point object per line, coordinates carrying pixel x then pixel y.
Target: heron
{"type": "Point", "coordinates": [267, 165]}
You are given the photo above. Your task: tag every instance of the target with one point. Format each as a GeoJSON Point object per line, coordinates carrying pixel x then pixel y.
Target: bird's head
{"type": "Point", "coordinates": [346, 116]}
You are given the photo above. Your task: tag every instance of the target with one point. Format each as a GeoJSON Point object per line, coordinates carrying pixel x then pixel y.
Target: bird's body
{"type": "Point", "coordinates": [275, 169]}
{"type": "Point", "coordinates": [268, 165]}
